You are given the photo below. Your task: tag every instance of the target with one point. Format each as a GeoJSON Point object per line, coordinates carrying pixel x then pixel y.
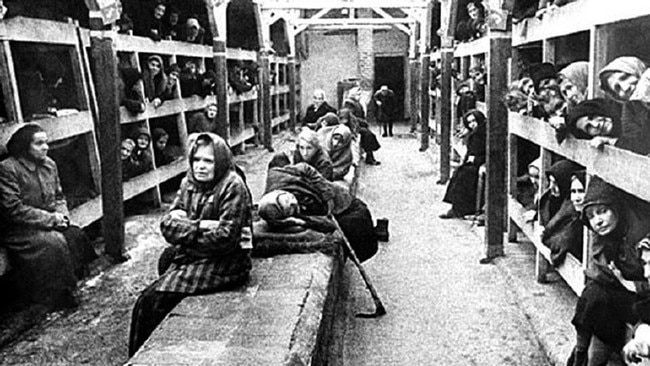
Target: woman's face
{"type": "Point", "coordinates": [173, 18]}
{"type": "Point", "coordinates": [595, 126]}
{"type": "Point", "coordinates": [159, 11]}
{"type": "Point", "coordinates": [125, 151]}
{"type": "Point", "coordinates": [212, 111]}
{"type": "Point", "coordinates": [602, 219]}
{"type": "Point", "coordinates": [142, 141]}
{"type": "Point", "coordinates": [471, 121]}
{"type": "Point", "coordinates": [533, 175]}
{"type": "Point", "coordinates": [577, 194]}
{"type": "Point", "coordinates": [306, 150]}
{"type": "Point", "coordinates": [570, 92]}
{"type": "Point", "coordinates": [337, 140]}
{"type": "Point", "coordinates": [203, 163]}
{"type": "Point", "coordinates": [38, 147]}
{"type": "Point", "coordinates": [553, 187]}
{"type": "Point", "coordinates": [154, 67]}
{"type": "Point", "coordinates": [318, 99]}
{"type": "Point", "coordinates": [162, 142]}
{"type": "Point", "coordinates": [473, 11]}
{"type": "Point", "coordinates": [622, 84]}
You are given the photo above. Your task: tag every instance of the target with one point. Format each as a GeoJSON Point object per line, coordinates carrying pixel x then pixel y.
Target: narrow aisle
{"type": "Point", "coordinates": [444, 308]}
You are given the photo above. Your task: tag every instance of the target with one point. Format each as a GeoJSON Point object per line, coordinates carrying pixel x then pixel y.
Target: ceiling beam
{"type": "Point", "coordinates": [300, 28]}
{"type": "Point", "coordinates": [385, 15]}
{"type": "Point", "coordinates": [354, 4]}
{"type": "Point", "coordinates": [356, 21]}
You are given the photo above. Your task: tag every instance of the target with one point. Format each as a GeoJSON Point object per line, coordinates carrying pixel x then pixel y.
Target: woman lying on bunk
{"type": "Point", "coordinates": [299, 193]}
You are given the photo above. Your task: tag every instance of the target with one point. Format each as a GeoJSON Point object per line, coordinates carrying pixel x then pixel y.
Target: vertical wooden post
{"type": "Point", "coordinates": [424, 101]}
{"type": "Point", "coordinates": [414, 73]}
{"type": "Point", "coordinates": [497, 134]}
{"type": "Point", "coordinates": [512, 183]}
{"type": "Point", "coordinates": [292, 93]}
{"type": "Point", "coordinates": [109, 136]}
{"type": "Point", "coordinates": [10, 84]}
{"type": "Point", "coordinates": [265, 66]}
{"type": "Point", "coordinates": [446, 59]}
{"type": "Point", "coordinates": [216, 11]}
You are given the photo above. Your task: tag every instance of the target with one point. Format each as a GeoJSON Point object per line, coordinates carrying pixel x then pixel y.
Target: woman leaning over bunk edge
{"type": "Point", "coordinates": [209, 228]}
{"type": "Point", "coordinates": [47, 251]}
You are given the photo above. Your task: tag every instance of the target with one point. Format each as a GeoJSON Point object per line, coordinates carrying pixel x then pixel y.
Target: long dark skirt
{"type": "Point", "coordinates": [603, 310]}
{"type": "Point", "coordinates": [358, 227]}
{"type": "Point", "coordinates": [43, 266]}
{"type": "Point", "coordinates": [461, 191]}
{"type": "Point", "coordinates": [368, 140]}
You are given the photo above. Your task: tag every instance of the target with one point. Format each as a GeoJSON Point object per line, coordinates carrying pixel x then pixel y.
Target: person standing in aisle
{"type": "Point", "coordinates": [385, 100]}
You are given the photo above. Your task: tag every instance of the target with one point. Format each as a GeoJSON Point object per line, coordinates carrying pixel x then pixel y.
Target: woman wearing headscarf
{"type": "Point", "coordinates": [309, 150]}
{"type": "Point", "coordinates": [614, 279]}
{"type": "Point", "coordinates": [461, 191]}
{"type": "Point", "coordinates": [627, 81]}
{"type": "Point", "coordinates": [46, 250]}
{"type": "Point", "coordinates": [141, 156]}
{"type": "Point", "coordinates": [164, 153]}
{"type": "Point", "coordinates": [339, 149]}
{"type": "Point", "coordinates": [573, 81]}
{"type": "Point", "coordinates": [209, 225]}
{"type": "Point", "coordinates": [367, 140]}
{"type": "Point", "coordinates": [559, 217]}
{"type": "Point", "coordinates": [156, 85]}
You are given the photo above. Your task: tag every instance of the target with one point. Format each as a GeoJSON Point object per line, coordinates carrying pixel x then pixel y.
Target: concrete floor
{"type": "Point", "coordinates": [444, 308]}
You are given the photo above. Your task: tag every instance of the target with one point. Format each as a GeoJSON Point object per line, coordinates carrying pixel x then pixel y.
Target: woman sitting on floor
{"type": "Point", "coordinates": [309, 150]}
{"type": "Point", "coordinates": [461, 191]}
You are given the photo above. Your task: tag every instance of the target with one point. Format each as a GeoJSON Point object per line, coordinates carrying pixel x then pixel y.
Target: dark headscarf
{"type": "Point", "coordinates": [223, 159]}
{"type": "Point", "coordinates": [600, 192]}
{"type": "Point", "coordinates": [157, 133]}
{"type": "Point", "coordinates": [18, 145]}
{"type": "Point", "coordinates": [594, 107]}
{"type": "Point", "coordinates": [542, 71]}
{"type": "Point", "coordinates": [562, 172]}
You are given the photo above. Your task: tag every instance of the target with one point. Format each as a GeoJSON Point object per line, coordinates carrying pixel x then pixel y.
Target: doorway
{"type": "Point", "coordinates": [390, 71]}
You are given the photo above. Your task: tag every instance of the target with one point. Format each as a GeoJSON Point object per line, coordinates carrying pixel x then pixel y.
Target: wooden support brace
{"type": "Point", "coordinates": [446, 58]}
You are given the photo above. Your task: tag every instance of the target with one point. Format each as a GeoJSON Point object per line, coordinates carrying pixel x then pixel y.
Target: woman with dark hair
{"type": "Point", "coordinates": [152, 25]}
{"type": "Point", "coordinates": [461, 191]}
{"type": "Point", "coordinates": [130, 90]}
{"type": "Point", "coordinates": [209, 226]}
{"type": "Point", "coordinates": [46, 250]}
{"type": "Point", "coordinates": [164, 153]}
{"type": "Point", "coordinates": [156, 85]}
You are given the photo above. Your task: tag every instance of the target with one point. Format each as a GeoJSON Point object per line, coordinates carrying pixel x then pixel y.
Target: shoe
{"type": "Point", "coordinates": [372, 162]}
{"type": "Point", "coordinates": [384, 135]}
{"type": "Point", "coordinates": [451, 214]}
{"type": "Point", "coordinates": [381, 229]}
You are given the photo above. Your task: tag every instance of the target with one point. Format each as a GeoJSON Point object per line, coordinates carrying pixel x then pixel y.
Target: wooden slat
{"type": "Point", "coordinates": [128, 43]}
{"type": "Point", "coordinates": [21, 29]}
{"type": "Point", "coordinates": [571, 270]}
{"type": "Point", "coordinates": [244, 97]}
{"type": "Point", "coordinates": [606, 163]}
{"type": "Point", "coordinates": [576, 17]}
{"type": "Point", "coordinates": [153, 178]}
{"type": "Point", "coordinates": [279, 89]}
{"type": "Point", "coordinates": [10, 84]}
{"type": "Point", "coordinates": [240, 54]}
{"type": "Point", "coordinates": [57, 128]}
{"type": "Point", "coordinates": [88, 212]}
{"type": "Point", "coordinates": [241, 137]}
{"type": "Point", "coordinates": [476, 47]}
{"type": "Point", "coordinates": [280, 120]}
{"type": "Point", "coordinates": [168, 108]}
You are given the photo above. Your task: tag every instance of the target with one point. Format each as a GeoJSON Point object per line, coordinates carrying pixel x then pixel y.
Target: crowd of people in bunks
{"type": "Point", "coordinates": [522, 9]}
{"type": "Point", "coordinates": [615, 295]}
{"type": "Point", "coordinates": [471, 22]}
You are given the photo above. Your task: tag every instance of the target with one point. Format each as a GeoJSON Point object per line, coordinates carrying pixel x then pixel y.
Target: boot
{"type": "Point", "coordinates": [381, 230]}
{"type": "Point", "coordinates": [370, 159]}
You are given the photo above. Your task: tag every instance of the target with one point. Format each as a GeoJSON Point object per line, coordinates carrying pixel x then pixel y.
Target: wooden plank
{"type": "Point", "coordinates": [605, 163]}
{"type": "Point", "coordinates": [276, 121]}
{"type": "Point", "coordinates": [279, 89]}
{"type": "Point", "coordinates": [571, 270]}
{"type": "Point", "coordinates": [266, 101]}
{"type": "Point", "coordinates": [414, 71]}
{"type": "Point", "coordinates": [168, 108]}
{"type": "Point", "coordinates": [576, 17]}
{"type": "Point", "coordinates": [57, 128]}
{"type": "Point", "coordinates": [129, 43]}
{"type": "Point", "coordinates": [153, 178]}
{"type": "Point", "coordinates": [109, 135]}
{"type": "Point", "coordinates": [87, 213]}
{"type": "Point", "coordinates": [241, 54]}
{"type": "Point", "coordinates": [475, 47]}
{"type": "Point", "coordinates": [512, 181]}
{"type": "Point", "coordinates": [497, 142]}
{"type": "Point", "coordinates": [21, 29]}
{"type": "Point", "coordinates": [246, 134]}
{"type": "Point", "coordinates": [221, 87]}
{"type": "Point", "coordinates": [244, 97]}
{"type": "Point", "coordinates": [293, 118]}
{"type": "Point", "coordinates": [445, 115]}
{"type": "Point", "coordinates": [10, 84]}
{"type": "Point", "coordinates": [357, 4]}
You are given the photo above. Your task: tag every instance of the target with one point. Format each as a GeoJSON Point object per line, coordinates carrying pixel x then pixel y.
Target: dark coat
{"type": "Point", "coordinates": [313, 114]}
{"type": "Point", "coordinates": [310, 188]}
{"type": "Point", "coordinates": [320, 161]}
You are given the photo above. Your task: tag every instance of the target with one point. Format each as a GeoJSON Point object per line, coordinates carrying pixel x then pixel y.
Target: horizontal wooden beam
{"type": "Point", "coordinates": [476, 47]}
{"type": "Point", "coordinates": [239, 137]}
{"type": "Point", "coordinates": [168, 108]}
{"type": "Point", "coordinates": [576, 17]}
{"type": "Point", "coordinates": [355, 21]}
{"type": "Point", "coordinates": [356, 4]}
{"type": "Point", "coordinates": [87, 213]}
{"type": "Point", "coordinates": [150, 179]}
{"type": "Point", "coordinates": [606, 163]}
{"type": "Point", "coordinates": [20, 29]}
